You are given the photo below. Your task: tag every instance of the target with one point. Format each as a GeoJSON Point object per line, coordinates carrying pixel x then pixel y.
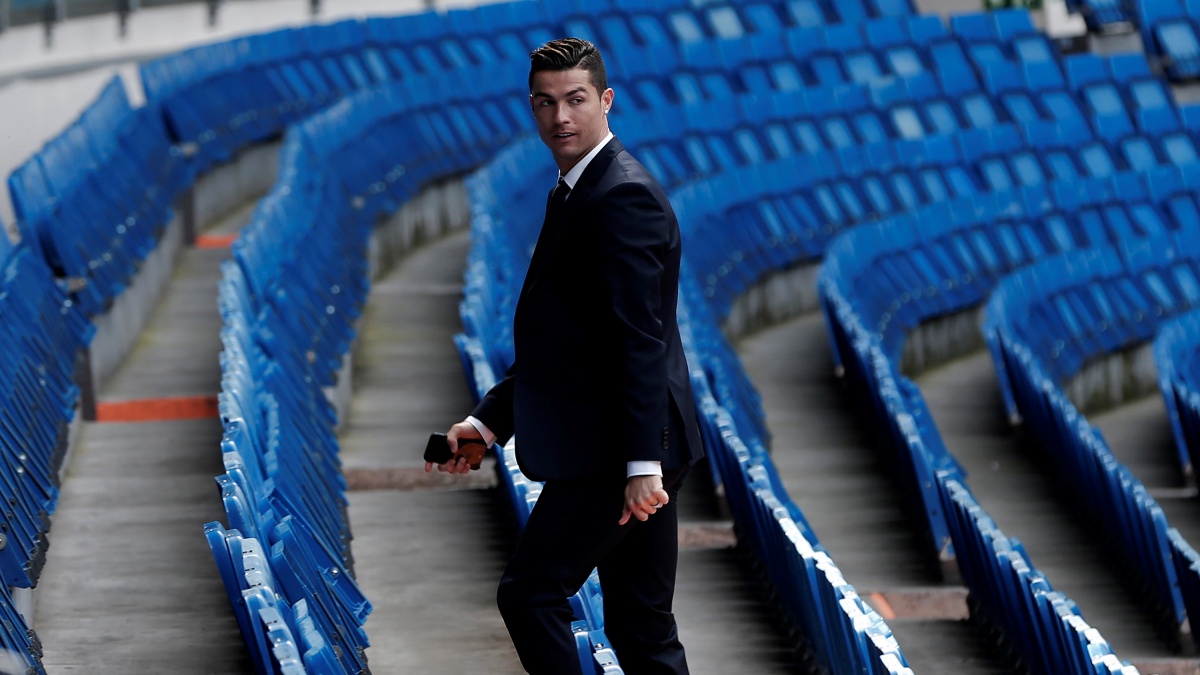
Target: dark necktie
{"type": "Point", "coordinates": [558, 197]}
{"type": "Point", "coordinates": [551, 228]}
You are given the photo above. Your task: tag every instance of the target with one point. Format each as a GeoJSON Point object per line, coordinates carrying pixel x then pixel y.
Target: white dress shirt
{"type": "Point", "coordinates": [639, 468]}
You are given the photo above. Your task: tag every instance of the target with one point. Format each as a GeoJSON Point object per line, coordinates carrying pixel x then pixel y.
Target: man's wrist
{"type": "Point", "coordinates": [643, 468]}
{"type": "Point", "coordinates": [488, 437]}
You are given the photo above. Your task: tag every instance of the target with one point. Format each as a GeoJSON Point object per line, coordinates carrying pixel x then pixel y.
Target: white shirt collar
{"type": "Point", "coordinates": [576, 171]}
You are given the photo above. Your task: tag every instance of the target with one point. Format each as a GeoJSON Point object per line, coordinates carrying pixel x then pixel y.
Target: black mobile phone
{"type": "Point", "coordinates": [437, 450]}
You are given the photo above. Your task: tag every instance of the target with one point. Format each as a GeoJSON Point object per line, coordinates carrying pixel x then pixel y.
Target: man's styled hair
{"type": "Point", "coordinates": [566, 54]}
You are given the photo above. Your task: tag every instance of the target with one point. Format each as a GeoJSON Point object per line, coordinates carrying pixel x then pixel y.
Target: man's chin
{"type": "Point", "coordinates": [566, 157]}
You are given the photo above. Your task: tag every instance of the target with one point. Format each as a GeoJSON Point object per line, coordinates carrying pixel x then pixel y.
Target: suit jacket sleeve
{"type": "Point", "coordinates": [634, 233]}
{"type": "Point", "coordinates": [496, 408]}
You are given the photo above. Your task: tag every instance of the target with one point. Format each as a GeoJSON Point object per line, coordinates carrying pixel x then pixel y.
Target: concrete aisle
{"type": "Point", "coordinates": [826, 458]}
{"type": "Point", "coordinates": [429, 556]}
{"type": "Point", "coordinates": [1019, 490]}
{"type": "Point", "coordinates": [130, 585]}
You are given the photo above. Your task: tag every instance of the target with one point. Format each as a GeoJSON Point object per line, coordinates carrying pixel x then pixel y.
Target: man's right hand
{"type": "Point", "coordinates": [472, 453]}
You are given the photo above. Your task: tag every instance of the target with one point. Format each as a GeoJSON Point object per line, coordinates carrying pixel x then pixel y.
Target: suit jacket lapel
{"type": "Point", "coordinates": [554, 224]}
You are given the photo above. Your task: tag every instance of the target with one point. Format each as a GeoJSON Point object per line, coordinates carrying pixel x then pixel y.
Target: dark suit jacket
{"type": "Point", "coordinates": [599, 377]}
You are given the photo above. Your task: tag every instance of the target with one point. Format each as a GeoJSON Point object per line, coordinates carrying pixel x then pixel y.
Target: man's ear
{"type": "Point", "coordinates": [606, 99]}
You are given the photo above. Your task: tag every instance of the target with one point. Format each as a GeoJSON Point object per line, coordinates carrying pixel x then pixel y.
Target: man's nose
{"type": "Point", "coordinates": [562, 113]}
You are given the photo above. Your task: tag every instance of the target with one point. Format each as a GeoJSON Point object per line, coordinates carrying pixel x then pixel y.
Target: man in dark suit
{"type": "Point", "coordinates": [599, 395]}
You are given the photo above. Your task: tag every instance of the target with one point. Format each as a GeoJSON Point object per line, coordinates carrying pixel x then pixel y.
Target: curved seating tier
{"type": "Point", "coordinates": [289, 301]}
{"type": "Point", "coordinates": [947, 257]}
{"type": "Point", "coordinates": [221, 96]}
{"type": "Point", "coordinates": [1052, 635]}
{"type": "Point", "coordinates": [96, 197]}
{"type": "Point", "coordinates": [932, 266]}
{"type": "Point", "coordinates": [1041, 324]}
{"type": "Point", "coordinates": [44, 338]}
{"type": "Point", "coordinates": [1107, 300]}
{"type": "Point", "coordinates": [1177, 356]}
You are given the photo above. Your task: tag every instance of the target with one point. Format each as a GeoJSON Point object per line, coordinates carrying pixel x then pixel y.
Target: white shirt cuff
{"type": "Point", "coordinates": [488, 436]}
{"type": "Point", "coordinates": [644, 468]}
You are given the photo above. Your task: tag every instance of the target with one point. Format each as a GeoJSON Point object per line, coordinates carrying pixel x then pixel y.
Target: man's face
{"type": "Point", "coordinates": [570, 113]}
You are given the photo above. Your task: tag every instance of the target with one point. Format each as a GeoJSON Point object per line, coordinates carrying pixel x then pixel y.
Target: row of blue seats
{"type": "Point", "coordinates": [221, 96]}
{"type": "Point", "coordinates": [1177, 356]}
{"type": "Point", "coordinates": [788, 209]}
{"type": "Point", "coordinates": [1105, 303]}
{"type": "Point", "coordinates": [22, 648]}
{"type": "Point", "coordinates": [252, 49]}
{"type": "Point", "coordinates": [288, 308]}
{"type": "Point", "coordinates": [1053, 636]}
{"type": "Point", "coordinates": [506, 202]}
{"type": "Point", "coordinates": [947, 257]}
{"type": "Point", "coordinates": [942, 117]}
{"type": "Point", "coordinates": [1117, 95]}
{"type": "Point", "coordinates": [289, 302]}
{"type": "Point", "coordinates": [1186, 561]}
{"type": "Point", "coordinates": [95, 198]}
{"type": "Point", "coordinates": [824, 54]}
{"type": "Point", "coordinates": [838, 117]}
{"type": "Point", "coordinates": [1129, 283]}
{"type": "Point", "coordinates": [1008, 595]}
{"type": "Point", "coordinates": [44, 337]}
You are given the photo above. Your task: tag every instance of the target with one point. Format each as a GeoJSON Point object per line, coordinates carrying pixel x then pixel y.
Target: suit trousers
{"type": "Point", "coordinates": [571, 530]}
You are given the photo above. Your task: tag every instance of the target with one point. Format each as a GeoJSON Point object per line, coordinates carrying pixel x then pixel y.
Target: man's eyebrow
{"type": "Point", "coordinates": [568, 94]}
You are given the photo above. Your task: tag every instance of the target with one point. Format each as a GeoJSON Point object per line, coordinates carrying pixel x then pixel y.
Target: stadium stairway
{"type": "Point", "coordinates": [129, 586]}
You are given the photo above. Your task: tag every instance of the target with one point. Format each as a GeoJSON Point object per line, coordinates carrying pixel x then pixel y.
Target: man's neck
{"type": "Point", "coordinates": [572, 174]}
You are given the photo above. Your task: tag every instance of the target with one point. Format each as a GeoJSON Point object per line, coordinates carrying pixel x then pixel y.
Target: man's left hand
{"type": "Point", "coordinates": [644, 495]}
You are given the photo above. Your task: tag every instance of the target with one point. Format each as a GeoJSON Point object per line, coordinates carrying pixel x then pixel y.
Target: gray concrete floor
{"type": "Point", "coordinates": [129, 584]}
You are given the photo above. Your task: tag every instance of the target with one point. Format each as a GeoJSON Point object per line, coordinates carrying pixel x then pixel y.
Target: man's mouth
{"type": "Point", "coordinates": [564, 135]}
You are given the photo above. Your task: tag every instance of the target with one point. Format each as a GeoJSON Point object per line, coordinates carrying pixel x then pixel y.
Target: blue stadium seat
{"type": "Point", "coordinates": [1153, 107]}
{"type": "Point", "coordinates": [1107, 110]}
{"type": "Point", "coordinates": [1084, 69]}
{"type": "Point", "coordinates": [954, 73]}
{"type": "Point", "coordinates": [764, 18]}
{"type": "Point", "coordinates": [885, 8]}
{"type": "Point", "coordinates": [806, 13]}
{"type": "Point", "coordinates": [974, 28]}
{"type": "Point", "coordinates": [1180, 47]}
{"type": "Point", "coordinates": [1179, 149]}
{"type": "Point", "coordinates": [1038, 63]}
